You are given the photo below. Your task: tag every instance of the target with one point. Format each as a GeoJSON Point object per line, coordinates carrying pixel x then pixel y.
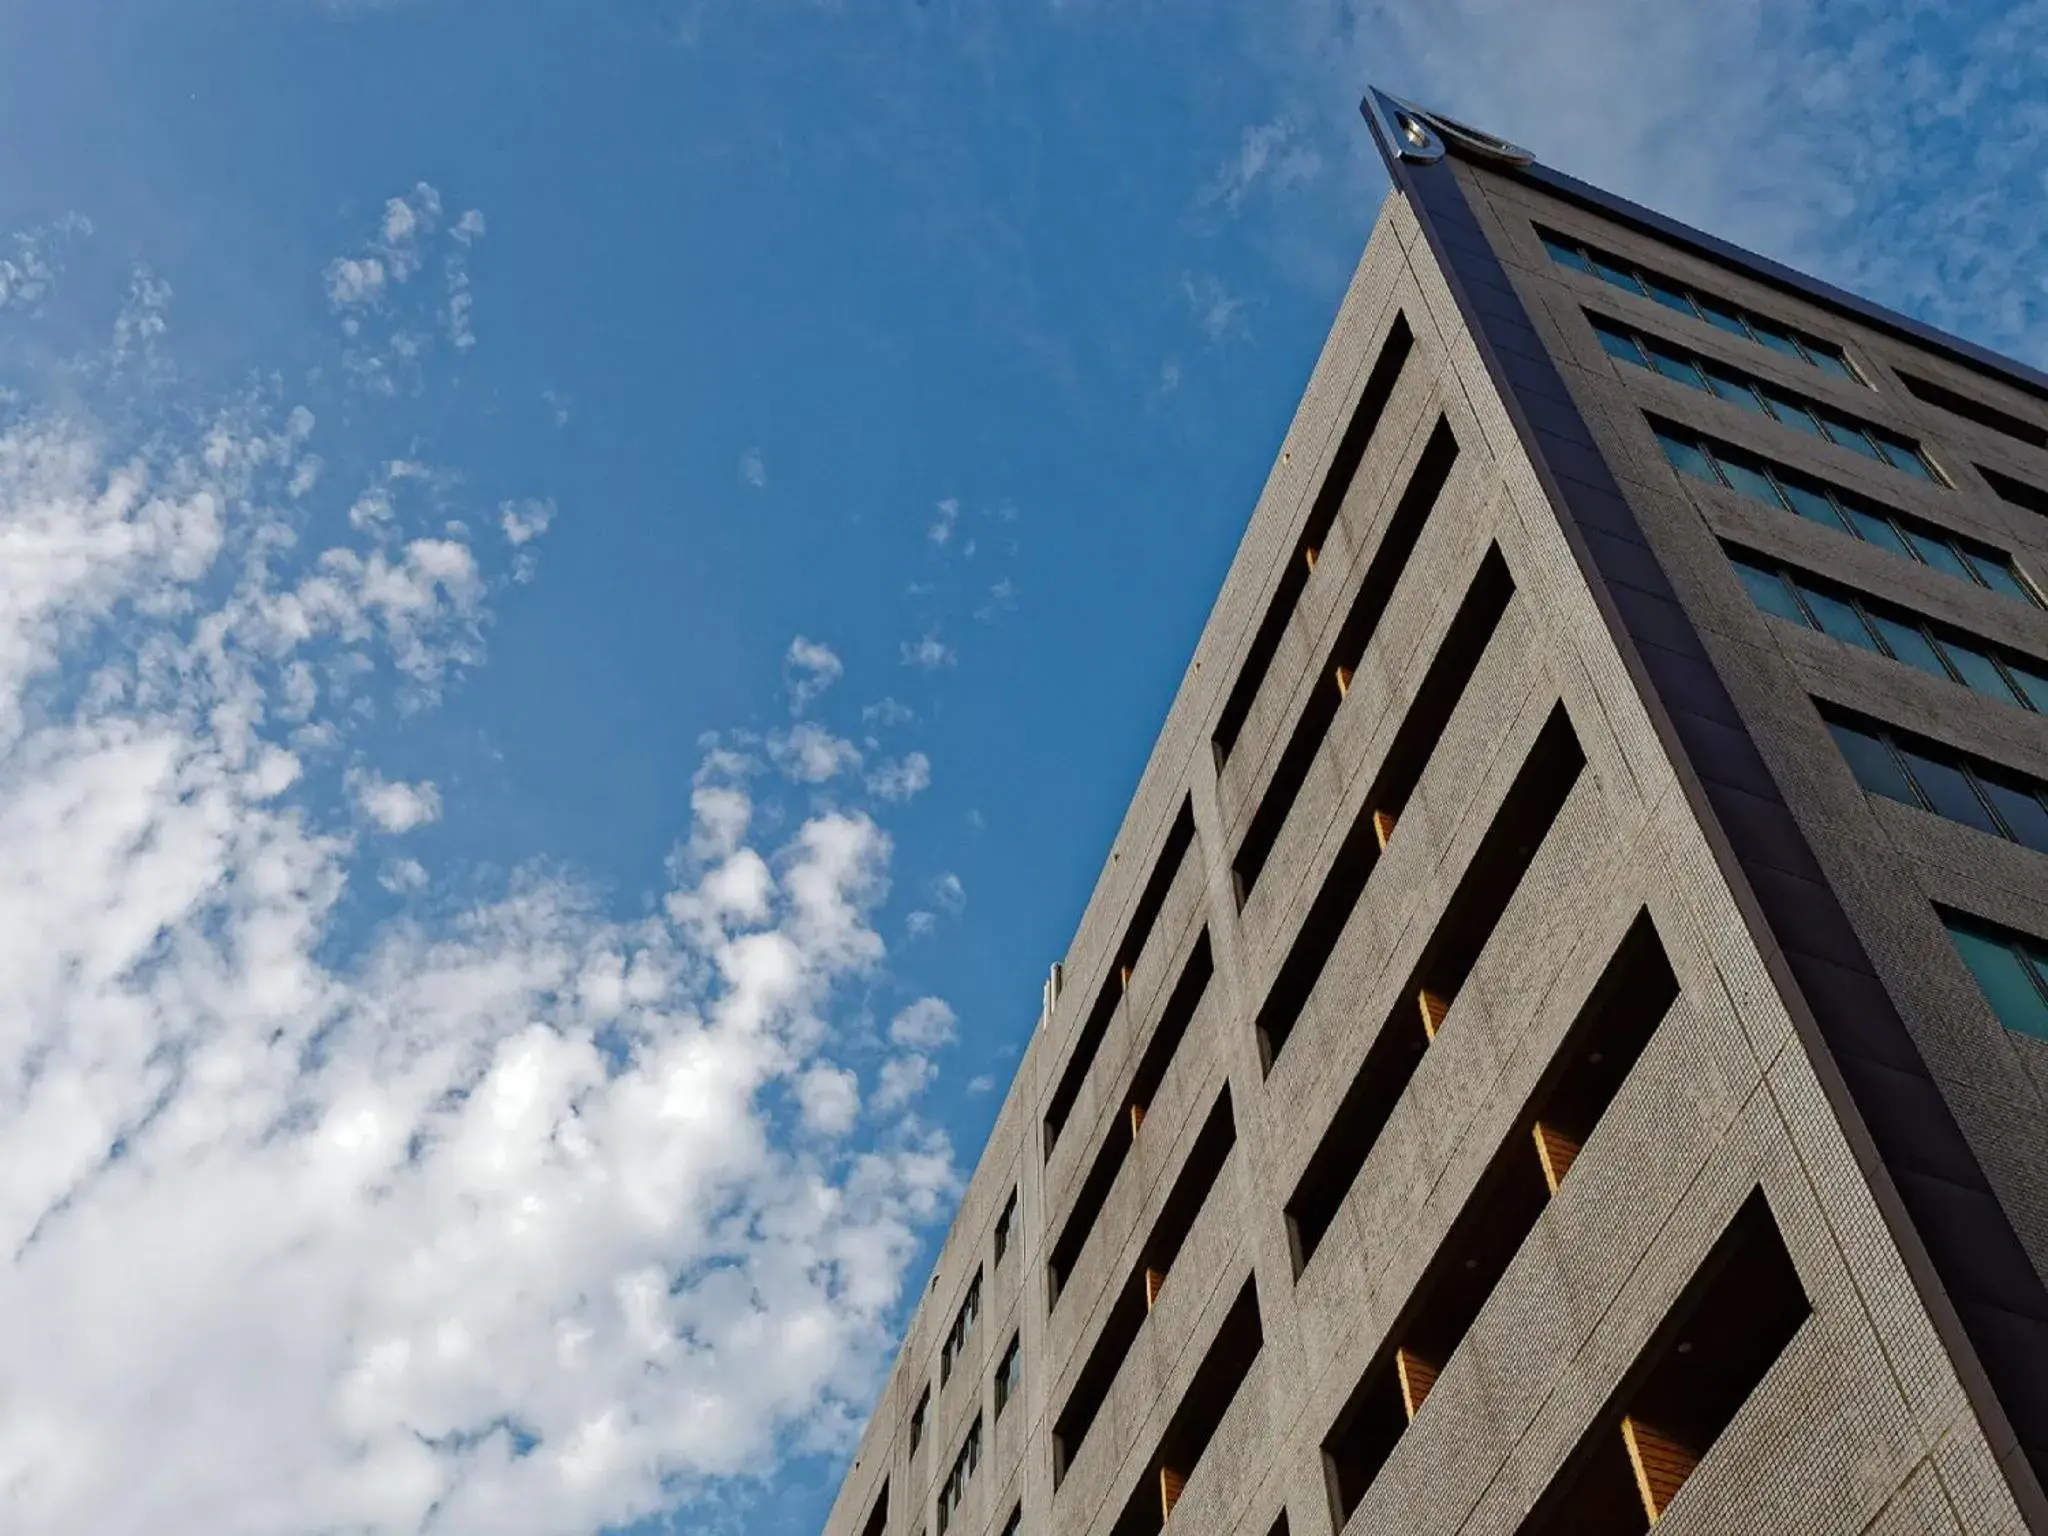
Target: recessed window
{"type": "Point", "coordinates": [1893, 631]}
{"type": "Point", "coordinates": [1874, 442]}
{"type": "Point", "coordinates": [2011, 971]}
{"type": "Point", "coordinates": [1720, 464]}
{"type": "Point", "coordinates": [919, 1418]}
{"type": "Point", "coordinates": [878, 1517]}
{"type": "Point", "coordinates": [1009, 1374]}
{"type": "Point", "coordinates": [1937, 778]}
{"type": "Point", "coordinates": [1977, 411]}
{"type": "Point", "coordinates": [1015, 1524]}
{"type": "Point", "coordinates": [955, 1486]}
{"type": "Point", "coordinates": [961, 1331]}
{"type": "Point", "coordinates": [1684, 299]}
{"type": "Point", "coordinates": [1006, 1226]}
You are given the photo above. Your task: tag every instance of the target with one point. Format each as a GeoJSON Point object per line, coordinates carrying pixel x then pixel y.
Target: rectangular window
{"type": "Point", "coordinates": [1451, 669]}
{"type": "Point", "coordinates": [1622, 1011]}
{"type": "Point", "coordinates": [1365, 420]}
{"type": "Point", "coordinates": [1630, 345]}
{"type": "Point", "coordinates": [878, 1517]}
{"type": "Point", "coordinates": [1009, 1374]}
{"type": "Point", "coordinates": [1006, 1226]}
{"type": "Point", "coordinates": [1721, 464]}
{"type": "Point", "coordinates": [961, 1331]}
{"type": "Point", "coordinates": [1791, 594]}
{"type": "Point", "coordinates": [1140, 1291]}
{"type": "Point", "coordinates": [2016, 493]}
{"type": "Point", "coordinates": [1223, 1370]}
{"type": "Point", "coordinates": [1686, 300]}
{"type": "Point", "coordinates": [964, 1465]}
{"type": "Point", "coordinates": [1179, 838]}
{"type": "Point", "coordinates": [1527, 812]}
{"type": "Point", "coordinates": [1123, 1128]}
{"type": "Point", "coordinates": [1015, 1524]}
{"type": "Point", "coordinates": [1937, 778]}
{"type": "Point", "coordinates": [1709, 1356]}
{"type": "Point", "coordinates": [2011, 970]}
{"type": "Point", "coordinates": [1943, 398]}
{"type": "Point", "coordinates": [919, 1417]}
{"type": "Point", "coordinates": [1375, 592]}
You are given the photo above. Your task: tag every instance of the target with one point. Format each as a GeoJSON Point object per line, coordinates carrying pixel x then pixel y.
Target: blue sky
{"type": "Point", "coordinates": [584, 589]}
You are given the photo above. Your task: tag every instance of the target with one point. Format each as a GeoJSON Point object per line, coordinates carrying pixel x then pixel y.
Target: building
{"type": "Point", "coordinates": [1563, 1032]}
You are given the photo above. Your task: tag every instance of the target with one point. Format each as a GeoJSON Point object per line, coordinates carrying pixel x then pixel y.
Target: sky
{"type": "Point", "coordinates": [582, 590]}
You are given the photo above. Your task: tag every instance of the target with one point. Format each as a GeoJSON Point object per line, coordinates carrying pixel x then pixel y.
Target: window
{"type": "Point", "coordinates": [1429, 714]}
{"type": "Point", "coordinates": [1693, 304]}
{"type": "Point", "coordinates": [1375, 592]}
{"type": "Point", "coordinates": [1009, 1374]}
{"type": "Point", "coordinates": [878, 1517]}
{"type": "Point", "coordinates": [1977, 411]}
{"type": "Point", "coordinates": [1871, 441]}
{"type": "Point", "coordinates": [2017, 493]}
{"type": "Point", "coordinates": [919, 1417]}
{"type": "Point", "coordinates": [1718, 464]}
{"type": "Point", "coordinates": [2011, 970]}
{"type": "Point", "coordinates": [1372, 404]}
{"type": "Point", "coordinates": [1006, 1226]}
{"type": "Point", "coordinates": [1892, 631]}
{"type": "Point", "coordinates": [1179, 838]}
{"type": "Point", "coordinates": [957, 1480]}
{"type": "Point", "coordinates": [961, 1331]}
{"type": "Point", "coordinates": [1922, 773]}
{"type": "Point", "coordinates": [1713, 1350]}
{"type": "Point", "coordinates": [1015, 1524]}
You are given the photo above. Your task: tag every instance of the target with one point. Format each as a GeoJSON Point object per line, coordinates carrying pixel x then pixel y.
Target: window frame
{"type": "Point", "coordinates": [2028, 953]}
{"type": "Point", "coordinates": [1971, 769]}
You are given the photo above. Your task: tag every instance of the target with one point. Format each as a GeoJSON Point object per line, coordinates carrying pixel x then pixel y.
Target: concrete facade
{"type": "Point", "coordinates": [1615, 734]}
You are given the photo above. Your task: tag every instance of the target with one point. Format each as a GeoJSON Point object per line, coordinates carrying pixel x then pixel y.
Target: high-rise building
{"type": "Point", "coordinates": [1560, 1044]}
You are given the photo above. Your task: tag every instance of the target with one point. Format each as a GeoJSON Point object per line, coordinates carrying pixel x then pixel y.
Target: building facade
{"type": "Point", "coordinates": [1560, 1043]}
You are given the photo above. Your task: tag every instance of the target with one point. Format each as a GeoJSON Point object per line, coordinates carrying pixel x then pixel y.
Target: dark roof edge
{"type": "Point", "coordinates": [1969, 354]}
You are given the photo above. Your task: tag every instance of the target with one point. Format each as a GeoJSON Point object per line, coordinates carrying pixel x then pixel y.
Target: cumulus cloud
{"type": "Point", "coordinates": [393, 806]}
{"type": "Point", "coordinates": [902, 779]}
{"type": "Point", "coordinates": [808, 670]}
{"type": "Point", "coordinates": [519, 1221]}
{"type": "Point", "coordinates": [929, 654]}
{"type": "Point", "coordinates": [810, 754]}
{"type": "Point", "coordinates": [925, 1025]}
{"type": "Point", "coordinates": [388, 335]}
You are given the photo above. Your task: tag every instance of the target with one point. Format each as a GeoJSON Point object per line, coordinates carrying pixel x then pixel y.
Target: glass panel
{"type": "Point", "coordinates": [2031, 683]}
{"type": "Point", "coordinates": [1997, 575]}
{"type": "Point", "coordinates": [1976, 669]}
{"type": "Point", "coordinates": [1948, 791]}
{"type": "Point", "coordinates": [1909, 643]}
{"type": "Point", "coordinates": [1828, 361]}
{"type": "Point", "coordinates": [1873, 764]}
{"type": "Point", "coordinates": [1617, 276]}
{"type": "Point", "coordinates": [2008, 987]}
{"type": "Point", "coordinates": [1790, 412]}
{"type": "Point", "coordinates": [1904, 455]}
{"type": "Point", "coordinates": [1619, 344]}
{"type": "Point", "coordinates": [1750, 481]}
{"type": "Point", "coordinates": [1838, 618]}
{"type": "Point", "coordinates": [1768, 591]}
{"type": "Point", "coordinates": [1937, 554]}
{"type": "Point", "coordinates": [2022, 812]}
{"type": "Point", "coordinates": [1687, 458]}
{"type": "Point", "coordinates": [1675, 365]}
{"type": "Point", "coordinates": [1810, 504]}
{"type": "Point", "coordinates": [1729, 387]}
{"type": "Point", "coordinates": [1876, 530]}
{"type": "Point", "coordinates": [1669, 297]}
{"type": "Point", "coordinates": [1566, 256]}
{"type": "Point", "coordinates": [1850, 436]}
{"type": "Point", "coordinates": [1725, 318]}
{"type": "Point", "coordinates": [1773, 338]}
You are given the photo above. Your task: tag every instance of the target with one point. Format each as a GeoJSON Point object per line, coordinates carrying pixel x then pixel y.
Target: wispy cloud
{"type": "Point", "coordinates": [910, 775]}
{"type": "Point", "coordinates": [1273, 154]}
{"type": "Point", "coordinates": [808, 669]}
{"type": "Point", "coordinates": [1218, 312]}
{"type": "Point", "coordinates": [753, 469]}
{"type": "Point", "coordinates": [928, 653]}
{"type": "Point", "coordinates": [386, 339]}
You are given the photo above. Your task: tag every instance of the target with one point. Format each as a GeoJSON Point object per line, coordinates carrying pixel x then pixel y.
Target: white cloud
{"type": "Point", "coordinates": [902, 779]}
{"type": "Point", "coordinates": [887, 712]}
{"type": "Point", "coordinates": [753, 469]}
{"type": "Point", "coordinates": [925, 1025]}
{"type": "Point", "coordinates": [810, 754]}
{"type": "Point", "coordinates": [1169, 376]}
{"type": "Point", "coordinates": [525, 520]}
{"type": "Point", "coordinates": [400, 876]}
{"type": "Point", "coordinates": [808, 670]}
{"type": "Point", "coordinates": [1218, 312]}
{"type": "Point", "coordinates": [363, 288]}
{"type": "Point", "coordinates": [920, 924]}
{"type": "Point", "coordinates": [393, 806]}
{"type": "Point", "coordinates": [928, 654]}
{"type": "Point", "coordinates": [941, 529]}
{"type": "Point", "coordinates": [902, 1079]}
{"type": "Point", "coordinates": [1270, 152]}
{"type": "Point", "coordinates": [354, 281]}
{"type": "Point", "coordinates": [500, 1222]}
{"type": "Point", "coordinates": [981, 1083]}
{"type": "Point", "coordinates": [949, 893]}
